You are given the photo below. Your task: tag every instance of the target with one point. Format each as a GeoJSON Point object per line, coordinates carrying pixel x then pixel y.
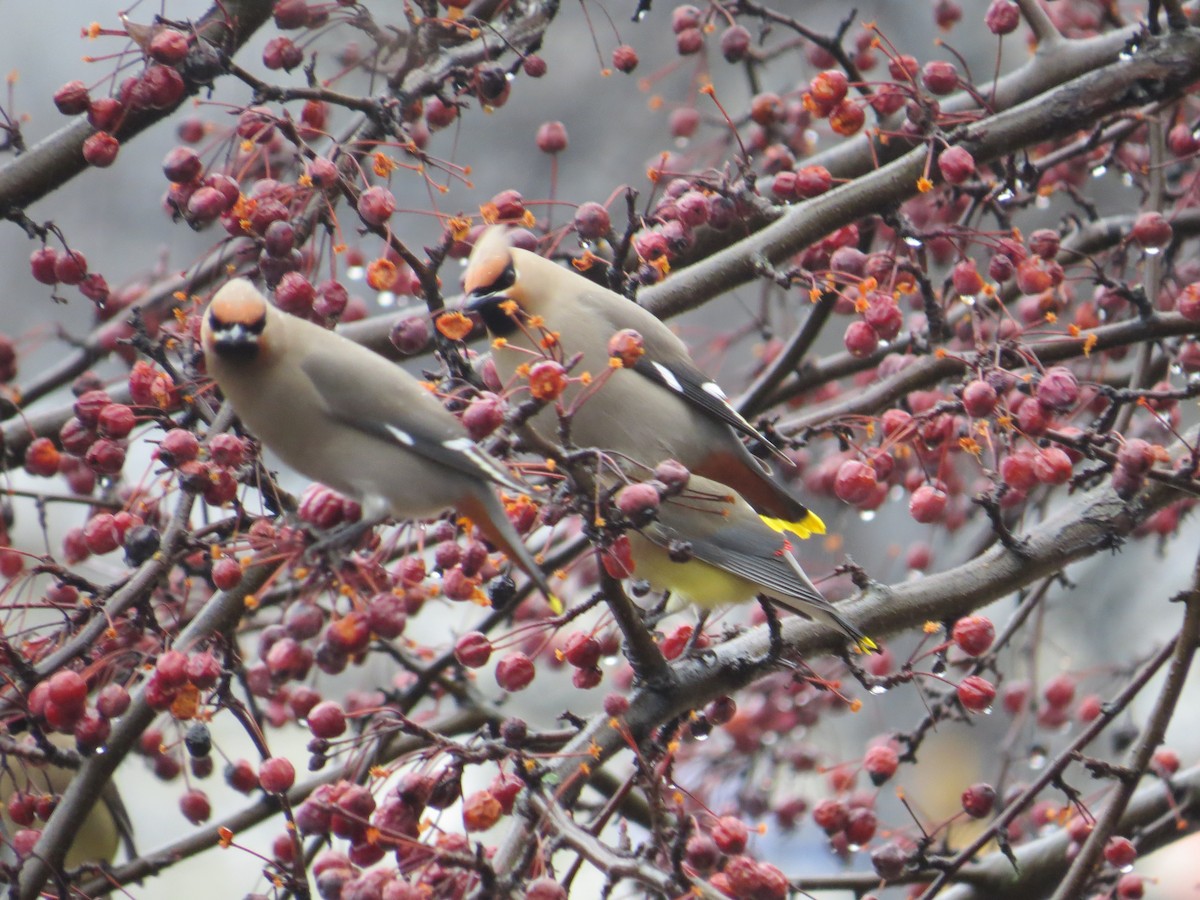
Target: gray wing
{"type": "Point", "coordinates": [420, 426]}
{"type": "Point", "coordinates": [740, 551]}
{"type": "Point", "coordinates": [667, 364]}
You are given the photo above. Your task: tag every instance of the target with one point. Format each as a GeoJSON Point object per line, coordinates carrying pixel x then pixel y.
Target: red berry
{"type": "Point", "coordinates": [195, 806]}
{"type": "Point", "coordinates": [861, 826]}
{"type": "Point", "coordinates": [616, 705]}
{"type": "Point", "coordinates": [956, 164]}
{"type": "Point", "coordinates": [101, 534]}
{"type": "Point", "coordinates": [115, 421]}
{"type": "Point", "coordinates": [101, 149]}
{"type": "Point", "coordinates": [276, 775]}
{"type": "Point", "coordinates": [1151, 231]}
{"type": "Point", "coordinates": [1120, 852]}
{"type": "Point", "coordinates": [1090, 708]}
{"type": "Point", "coordinates": [168, 46]}
{"type": "Point", "coordinates": [545, 888]}
{"type": "Point", "coordinates": [552, 137]}
{"type": "Point", "coordinates": [860, 339]}
{"type": "Point", "coordinates": [1052, 466]}
{"type": "Point", "coordinates": [847, 118]}
{"type": "Point", "coordinates": [1059, 691]}
{"type": "Point", "coordinates": [67, 689]}
{"type": "Point", "coordinates": [547, 379]}
{"type": "Point", "coordinates": [177, 447]}
{"type": "Point", "coordinates": [533, 66]}
{"type": "Point", "coordinates": [1131, 887]}
{"type": "Point", "coordinates": [42, 263]}
{"type": "Point", "coordinates": [42, 457]}
{"type": "Point", "coordinates": [1058, 390]}
{"type": "Point", "coordinates": [1002, 17]}
{"type": "Point", "coordinates": [1165, 762]}
{"type": "Point", "coordinates": [473, 650]}
{"type": "Point", "coordinates": [689, 41]}
{"type": "Point", "coordinates": [70, 267]}
{"type": "Point", "coordinates": [974, 634]}
{"type": "Point", "coordinates": [735, 42]}
{"type": "Point", "coordinates": [880, 763]}
{"type": "Point", "coordinates": [581, 650]}
{"type": "Point", "coordinates": [975, 693]}
{"type": "Point", "coordinates": [376, 205]}
{"type": "Point", "coordinates": [1017, 470]}
{"type": "Point", "coordinates": [592, 221]}
{"type": "Point", "coordinates": [226, 573]}
{"type": "Point", "coordinates": [939, 77]}
{"type": "Point", "coordinates": [730, 834]}
{"type": "Point", "coordinates": [928, 504]}
{"type": "Point", "coordinates": [327, 720]}
{"type": "Point", "coordinates": [624, 58]}
{"type": "Point", "coordinates": [855, 482]}
{"type": "Point", "coordinates": [638, 503]}
{"type": "Point", "coordinates": [979, 399]}
{"type": "Point", "coordinates": [282, 53]}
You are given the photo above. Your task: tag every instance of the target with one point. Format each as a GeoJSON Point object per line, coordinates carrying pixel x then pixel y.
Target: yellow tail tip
{"type": "Point", "coordinates": [866, 645]}
{"type": "Point", "coordinates": [556, 605]}
{"type": "Point", "coordinates": [804, 529]}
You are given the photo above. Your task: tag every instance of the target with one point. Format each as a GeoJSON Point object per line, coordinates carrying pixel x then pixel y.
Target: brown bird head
{"type": "Point", "coordinates": [234, 322]}
{"type": "Point", "coordinates": [491, 282]}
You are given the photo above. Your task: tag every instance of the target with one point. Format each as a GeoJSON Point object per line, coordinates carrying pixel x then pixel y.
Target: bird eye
{"type": "Point", "coordinates": [502, 282]}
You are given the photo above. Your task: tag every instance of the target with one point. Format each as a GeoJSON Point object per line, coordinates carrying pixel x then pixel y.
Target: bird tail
{"type": "Point", "coordinates": [487, 512]}
{"type": "Point", "coordinates": [823, 611]}
{"type": "Point", "coordinates": [779, 509]}
{"type": "Point", "coordinates": [813, 605]}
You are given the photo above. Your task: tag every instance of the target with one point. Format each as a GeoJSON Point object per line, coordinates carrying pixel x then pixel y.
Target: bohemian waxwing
{"type": "Point", "coordinates": [105, 826]}
{"type": "Point", "coordinates": [707, 546]}
{"type": "Point", "coordinates": [662, 407]}
{"type": "Point", "coordinates": [345, 416]}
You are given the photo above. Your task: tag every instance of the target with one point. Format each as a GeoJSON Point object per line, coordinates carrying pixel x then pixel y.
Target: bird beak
{"type": "Point", "coordinates": [236, 341]}
{"type": "Point", "coordinates": [479, 299]}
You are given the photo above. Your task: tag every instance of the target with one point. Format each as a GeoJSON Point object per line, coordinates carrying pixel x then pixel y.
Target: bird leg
{"type": "Point", "coordinates": [691, 651]}
{"type": "Point", "coordinates": [775, 632]}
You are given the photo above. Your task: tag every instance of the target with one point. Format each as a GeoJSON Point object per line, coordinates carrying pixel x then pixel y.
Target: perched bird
{"type": "Point", "coordinates": [103, 829]}
{"type": "Point", "coordinates": [660, 407]}
{"type": "Point", "coordinates": [345, 416]}
{"type": "Point", "coordinates": [708, 547]}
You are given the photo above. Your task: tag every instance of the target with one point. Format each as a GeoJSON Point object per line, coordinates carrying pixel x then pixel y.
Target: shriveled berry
{"type": "Point", "coordinates": [730, 834]}
{"type": "Point", "coordinates": [978, 800]}
{"type": "Point", "coordinates": [831, 815]}
{"type": "Point", "coordinates": [72, 98]}
{"type": "Point", "coordinates": [515, 672]}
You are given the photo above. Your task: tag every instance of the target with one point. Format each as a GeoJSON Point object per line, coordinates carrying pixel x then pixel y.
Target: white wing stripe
{"type": "Point", "coordinates": [669, 377]}
{"type": "Point", "coordinates": [494, 471]}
